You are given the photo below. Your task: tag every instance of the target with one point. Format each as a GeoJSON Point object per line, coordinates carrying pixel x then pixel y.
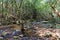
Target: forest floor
{"type": "Point", "coordinates": [11, 32]}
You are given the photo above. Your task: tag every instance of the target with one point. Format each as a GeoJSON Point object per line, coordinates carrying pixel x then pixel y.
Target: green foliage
{"type": "Point", "coordinates": [25, 9]}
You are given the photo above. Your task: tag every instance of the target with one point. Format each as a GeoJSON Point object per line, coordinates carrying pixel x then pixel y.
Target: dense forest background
{"type": "Point", "coordinates": [20, 11]}
{"type": "Point", "coordinates": [29, 19]}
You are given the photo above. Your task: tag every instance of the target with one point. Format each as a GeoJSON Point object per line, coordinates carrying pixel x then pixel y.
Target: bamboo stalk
{"type": "Point", "coordinates": [2, 11]}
